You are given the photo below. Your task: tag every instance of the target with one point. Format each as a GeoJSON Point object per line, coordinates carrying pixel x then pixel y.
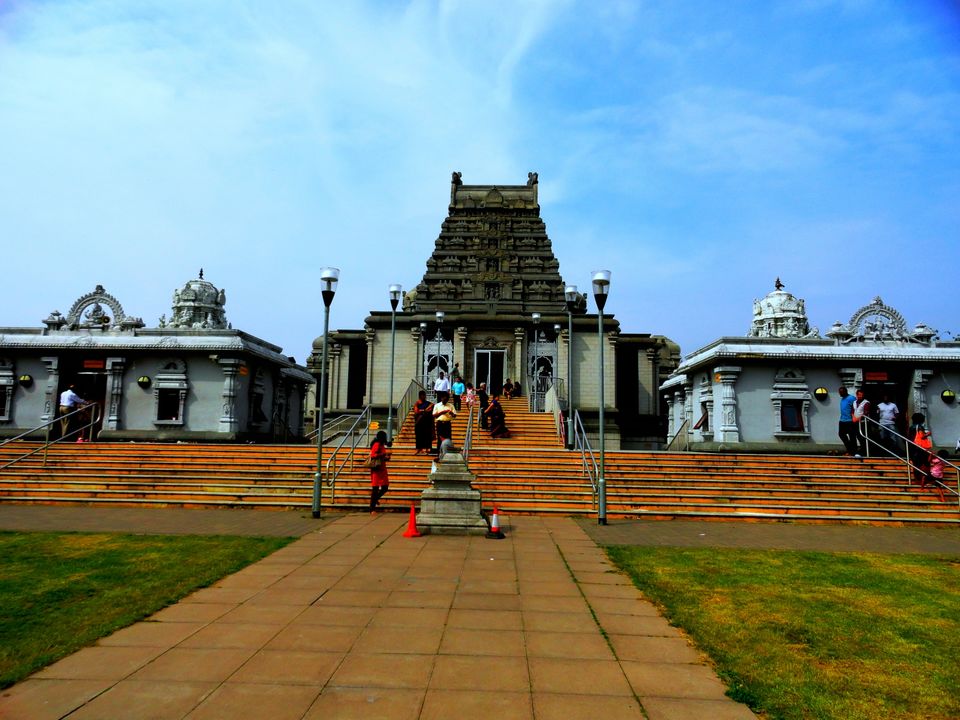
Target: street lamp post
{"type": "Point", "coordinates": [421, 373]}
{"type": "Point", "coordinates": [395, 292]}
{"type": "Point", "coordinates": [329, 277]}
{"type": "Point", "coordinates": [439, 324]}
{"type": "Point", "coordinates": [571, 295]}
{"type": "Point", "coordinates": [536, 352]}
{"type": "Point", "coordinates": [601, 288]}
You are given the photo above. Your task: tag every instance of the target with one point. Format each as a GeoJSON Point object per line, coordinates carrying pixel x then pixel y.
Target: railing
{"type": "Point", "coordinates": [553, 403]}
{"type": "Point", "coordinates": [590, 466]}
{"type": "Point", "coordinates": [909, 447]}
{"type": "Point", "coordinates": [360, 429]}
{"type": "Point", "coordinates": [681, 440]}
{"type": "Point", "coordinates": [334, 427]}
{"type": "Point", "coordinates": [94, 419]}
{"type": "Point", "coordinates": [537, 388]}
{"type": "Point", "coordinates": [468, 438]}
{"type": "Point", "coordinates": [403, 408]}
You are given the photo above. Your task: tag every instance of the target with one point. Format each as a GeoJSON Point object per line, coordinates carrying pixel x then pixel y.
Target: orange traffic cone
{"type": "Point", "coordinates": [412, 525]}
{"type": "Point", "coordinates": [495, 533]}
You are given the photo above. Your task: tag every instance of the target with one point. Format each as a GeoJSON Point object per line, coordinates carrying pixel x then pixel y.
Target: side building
{"type": "Point", "coordinates": [775, 389]}
{"type": "Point", "coordinates": [192, 378]}
{"type": "Point", "coordinates": [492, 302]}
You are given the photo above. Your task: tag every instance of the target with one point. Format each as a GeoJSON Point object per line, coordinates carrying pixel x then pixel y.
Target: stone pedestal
{"type": "Point", "coordinates": [450, 506]}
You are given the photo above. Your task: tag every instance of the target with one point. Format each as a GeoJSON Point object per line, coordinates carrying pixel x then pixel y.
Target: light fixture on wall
{"type": "Point", "coordinates": [821, 393]}
{"type": "Point", "coordinates": [143, 381]}
{"type": "Point", "coordinates": [948, 396]}
{"type": "Point", "coordinates": [25, 380]}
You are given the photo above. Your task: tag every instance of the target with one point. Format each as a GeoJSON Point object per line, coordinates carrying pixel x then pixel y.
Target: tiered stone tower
{"type": "Point", "coordinates": [493, 255]}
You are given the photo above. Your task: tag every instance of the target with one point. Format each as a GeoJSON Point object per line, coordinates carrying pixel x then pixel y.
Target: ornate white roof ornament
{"type": "Point", "coordinates": [198, 306]}
{"type": "Point", "coordinates": [88, 313]}
{"type": "Point", "coordinates": [780, 315]}
{"type": "Point", "coordinates": [877, 324]}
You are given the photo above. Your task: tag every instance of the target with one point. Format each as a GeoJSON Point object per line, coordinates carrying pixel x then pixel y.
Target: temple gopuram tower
{"type": "Point", "coordinates": [491, 303]}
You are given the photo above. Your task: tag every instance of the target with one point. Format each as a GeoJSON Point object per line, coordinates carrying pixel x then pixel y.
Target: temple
{"type": "Point", "coordinates": [492, 302]}
{"type": "Point", "coordinates": [193, 377]}
{"type": "Point", "coordinates": [775, 389]}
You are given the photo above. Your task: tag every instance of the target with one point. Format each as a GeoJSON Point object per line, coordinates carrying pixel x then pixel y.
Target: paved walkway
{"type": "Point", "coordinates": [355, 621]}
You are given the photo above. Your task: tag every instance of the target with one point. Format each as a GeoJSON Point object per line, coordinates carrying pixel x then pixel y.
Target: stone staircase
{"type": "Point", "coordinates": [527, 473]}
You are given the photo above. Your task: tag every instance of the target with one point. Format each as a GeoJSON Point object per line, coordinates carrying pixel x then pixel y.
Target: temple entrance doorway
{"type": "Point", "coordinates": [89, 379]}
{"type": "Point", "coordinates": [894, 383]}
{"type": "Point", "coordinates": [488, 368]}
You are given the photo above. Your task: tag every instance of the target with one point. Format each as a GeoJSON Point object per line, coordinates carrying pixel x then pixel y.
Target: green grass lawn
{"type": "Point", "coordinates": [61, 591]}
{"type": "Point", "coordinates": [816, 635]}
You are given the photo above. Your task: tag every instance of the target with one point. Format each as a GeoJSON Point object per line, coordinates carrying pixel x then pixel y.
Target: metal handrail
{"type": "Point", "coordinates": [363, 420]}
{"type": "Point", "coordinates": [537, 388]}
{"type": "Point", "coordinates": [331, 427]}
{"type": "Point", "coordinates": [468, 437]}
{"type": "Point", "coordinates": [909, 466]}
{"type": "Point", "coordinates": [683, 432]}
{"type": "Point", "coordinates": [402, 409]}
{"type": "Point", "coordinates": [94, 419]}
{"type": "Point", "coordinates": [589, 460]}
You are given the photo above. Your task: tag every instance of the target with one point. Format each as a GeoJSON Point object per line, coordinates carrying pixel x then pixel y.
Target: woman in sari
{"type": "Point", "coordinates": [423, 423]}
{"type": "Point", "coordinates": [497, 419]}
{"type": "Point", "coordinates": [379, 479]}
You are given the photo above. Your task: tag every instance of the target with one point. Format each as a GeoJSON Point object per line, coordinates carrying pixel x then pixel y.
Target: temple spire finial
{"type": "Point", "coordinates": [201, 274]}
{"type": "Point", "coordinates": [777, 284]}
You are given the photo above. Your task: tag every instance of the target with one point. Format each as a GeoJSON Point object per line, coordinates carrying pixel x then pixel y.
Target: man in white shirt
{"type": "Point", "coordinates": [887, 415]}
{"type": "Point", "coordinates": [441, 384]}
{"type": "Point", "coordinates": [69, 401]}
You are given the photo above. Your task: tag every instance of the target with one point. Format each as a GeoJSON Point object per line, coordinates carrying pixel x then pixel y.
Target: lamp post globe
{"type": "Point", "coordinates": [395, 292]}
{"type": "Point", "coordinates": [571, 296]}
{"type": "Point", "coordinates": [601, 289]}
{"type": "Point", "coordinates": [329, 278]}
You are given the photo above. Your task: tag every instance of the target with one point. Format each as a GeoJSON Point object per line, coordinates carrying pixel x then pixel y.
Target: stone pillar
{"type": "Point", "coordinates": [228, 415]}
{"type": "Point", "coordinates": [460, 352]}
{"type": "Point", "coordinates": [371, 337]}
{"type": "Point", "coordinates": [920, 404]}
{"type": "Point", "coordinates": [51, 401]}
{"type": "Point", "coordinates": [727, 430]}
{"type": "Point", "coordinates": [706, 397]}
{"type": "Point", "coordinates": [518, 372]}
{"type": "Point", "coordinates": [688, 404]}
{"type": "Point", "coordinates": [336, 383]}
{"type": "Point", "coordinates": [671, 415]}
{"type": "Point", "coordinates": [417, 338]}
{"type": "Point", "coordinates": [649, 388]}
{"type": "Point", "coordinates": [115, 367]}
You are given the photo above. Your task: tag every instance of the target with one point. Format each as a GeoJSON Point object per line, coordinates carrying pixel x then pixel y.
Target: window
{"type": "Point", "coordinates": [170, 393]}
{"type": "Point", "coordinates": [791, 416]}
{"type": "Point", "coordinates": [791, 404]}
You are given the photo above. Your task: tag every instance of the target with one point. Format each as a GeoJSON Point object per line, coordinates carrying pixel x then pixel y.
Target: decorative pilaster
{"type": "Point", "coordinates": [115, 367]}
{"type": "Point", "coordinates": [920, 405]}
{"type": "Point", "coordinates": [671, 419]}
{"type": "Point", "coordinates": [228, 415]}
{"type": "Point", "coordinates": [728, 430]}
{"type": "Point", "coordinates": [336, 383]}
{"type": "Point", "coordinates": [50, 393]}
{"type": "Point", "coordinates": [851, 378]}
{"type": "Point", "coordinates": [688, 403]}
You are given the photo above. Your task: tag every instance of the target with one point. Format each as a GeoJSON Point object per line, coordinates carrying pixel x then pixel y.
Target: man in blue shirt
{"type": "Point", "coordinates": [847, 428]}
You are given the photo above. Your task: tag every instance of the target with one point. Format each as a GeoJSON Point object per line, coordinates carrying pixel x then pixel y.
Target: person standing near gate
{"type": "Point", "coordinates": [887, 415]}
{"type": "Point", "coordinates": [861, 408]}
{"type": "Point", "coordinates": [847, 429]}
{"type": "Point", "coordinates": [69, 401]}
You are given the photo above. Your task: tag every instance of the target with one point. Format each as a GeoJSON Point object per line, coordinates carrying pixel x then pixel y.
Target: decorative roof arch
{"type": "Point", "coordinates": [95, 316]}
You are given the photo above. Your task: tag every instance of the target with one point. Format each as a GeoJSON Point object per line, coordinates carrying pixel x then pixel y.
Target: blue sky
{"type": "Point", "coordinates": [696, 149]}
